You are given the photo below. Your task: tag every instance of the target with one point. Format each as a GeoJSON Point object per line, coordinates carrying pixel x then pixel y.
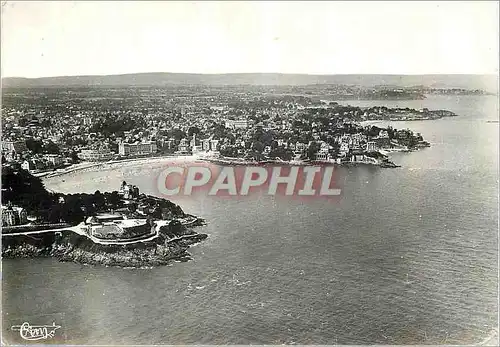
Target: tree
{"type": "Point", "coordinates": [34, 145]}
{"type": "Point", "coordinates": [74, 157]}
{"type": "Point", "coordinates": [177, 134]}
{"type": "Point", "coordinates": [312, 150]}
{"type": "Point", "coordinates": [71, 210]}
{"type": "Point", "coordinates": [336, 147]}
{"type": "Point", "coordinates": [113, 199]}
{"type": "Point", "coordinates": [157, 213]}
{"type": "Point", "coordinates": [282, 153]}
{"type": "Point", "coordinates": [229, 151]}
{"type": "Point", "coordinates": [372, 131]}
{"type": "Point", "coordinates": [55, 214]}
{"type": "Point", "coordinates": [219, 131]}
{"type": "Point", "coordinates": [132, 207]}
{"type": "Point", "coordinates": [258, 146]}
{"type": "Point", "coordinates": [51, 148]}
{"type": "Point", "coordinates": [193, 130]}
{"type": "Point", "coordinates": [175, 227]}
{"type": "Point", "coordinates": [23, 189]}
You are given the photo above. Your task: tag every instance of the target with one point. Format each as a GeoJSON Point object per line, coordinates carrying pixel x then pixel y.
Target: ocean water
{"type": "Point", "coordinates": [406, 256]}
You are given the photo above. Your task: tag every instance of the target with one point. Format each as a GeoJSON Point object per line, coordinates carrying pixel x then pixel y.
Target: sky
{"type": "Point", "coordinates": [62, 38]}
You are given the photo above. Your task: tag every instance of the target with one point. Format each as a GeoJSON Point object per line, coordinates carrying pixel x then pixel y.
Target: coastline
{"type": "Point", "coordinates": [221, 160]}
{"type": "Point", "coordinates": [68, 246]}
{"type": "Point", "coordinates": [119, 228]}
{"type": "Point", "coordinates": [445, 231]}
{"type": "Point", "coordinates": [192, 158]}
{"type": "Point", "coordinates": [90, 165]}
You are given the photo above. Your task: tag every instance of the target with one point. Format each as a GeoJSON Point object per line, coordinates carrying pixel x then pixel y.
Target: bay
{"type": "Point", "coordinates": [406, 256]}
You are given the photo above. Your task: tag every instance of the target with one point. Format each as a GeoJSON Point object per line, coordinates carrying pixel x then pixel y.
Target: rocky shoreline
{"type": "Point", "coordinates": [170, 245]}
{"type": "Point", "coordinates": [242, 162]}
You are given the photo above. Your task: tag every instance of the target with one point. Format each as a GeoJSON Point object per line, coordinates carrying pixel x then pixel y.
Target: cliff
{"type": "Point", "coordinates": [171, 244]}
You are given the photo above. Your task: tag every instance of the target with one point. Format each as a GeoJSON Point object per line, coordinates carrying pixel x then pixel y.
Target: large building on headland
{"type": "Point", "coordinates": [139, 148]}
{"type": "Point", "coordinates": [112, 227]}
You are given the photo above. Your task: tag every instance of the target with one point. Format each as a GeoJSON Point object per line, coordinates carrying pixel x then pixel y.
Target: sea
{"type": "Point", "coordinates": [405, 256]}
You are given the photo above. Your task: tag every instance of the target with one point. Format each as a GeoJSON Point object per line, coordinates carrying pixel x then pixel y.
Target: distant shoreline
{"type": "Point", "coordinates": [486, 82]}
{"type": "Point", "coordinates": [192, 158]}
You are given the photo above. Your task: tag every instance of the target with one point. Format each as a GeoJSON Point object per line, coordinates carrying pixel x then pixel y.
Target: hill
{"type": "Point", "coordinates": [486, 82]}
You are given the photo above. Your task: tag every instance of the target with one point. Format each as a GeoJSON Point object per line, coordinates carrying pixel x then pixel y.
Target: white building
{"type": "Point", "coordinates": [33, 165]}
{"type": "Point", "coordinates": [371, 146]}
{"type": "Point", "coordinates": [299, 146]}
{"type": "Point", "coordinates": [322, 155]}
{"type": "Point", "coordinates": [205, 145]}
{"type": "Point", "coordinates": [237, 124]}
{"type": "Point", "coordinates": [184, 145]}
{"type": "Point", "coordinates": [344, 148]}
{"type": "Point", "coordinates": [96, 154]}
{"type": "Point", "coordinates": [193, 141]}
{"type": "Point", "coordinates": [54, 159]}
{"type": "Point", "coordinates": [14, 146]}
{"type": "Point", "coordinates": [138, 148]}
{"type": "Point", "coordinates": [13, 215]}
{"type": "Point", "coordinates": [209, 145]}
{"type": "Point", "coordinates": [383, 134]}
{"type": "Point", "coordinates": [214, 145]}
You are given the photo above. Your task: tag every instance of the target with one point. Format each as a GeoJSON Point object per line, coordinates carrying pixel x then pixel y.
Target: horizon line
{"type": "Point", "coordinates": [259, 73]}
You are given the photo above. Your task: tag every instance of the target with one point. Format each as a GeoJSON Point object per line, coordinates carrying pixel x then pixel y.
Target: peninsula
{"type": "Point", "coordinates": [122, 228]}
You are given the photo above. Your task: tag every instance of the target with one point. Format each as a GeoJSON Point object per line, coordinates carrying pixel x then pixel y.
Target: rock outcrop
{"type": "Point", "coordinates": [171, 244]}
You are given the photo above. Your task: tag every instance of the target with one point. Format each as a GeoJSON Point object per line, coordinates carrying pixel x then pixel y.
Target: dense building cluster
{"type": "Point", "coordinates": [44, 129]}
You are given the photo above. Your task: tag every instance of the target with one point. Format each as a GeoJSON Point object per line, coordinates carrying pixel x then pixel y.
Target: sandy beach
{"type": "Point", "coordinates": [86, 166]}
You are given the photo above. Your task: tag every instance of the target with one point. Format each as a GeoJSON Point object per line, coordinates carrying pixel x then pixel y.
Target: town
{"type": "Point", "coordinates": [52, 128]}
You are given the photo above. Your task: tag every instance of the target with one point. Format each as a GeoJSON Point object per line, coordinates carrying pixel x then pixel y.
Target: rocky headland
{"type": "Point", "coordinates": [120, 228]}
{"type": "Point", "coordinates": [171, 244]}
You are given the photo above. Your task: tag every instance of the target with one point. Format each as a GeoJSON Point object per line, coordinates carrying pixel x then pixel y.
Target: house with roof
{"type": "Point", "coordinates": [13, 215]}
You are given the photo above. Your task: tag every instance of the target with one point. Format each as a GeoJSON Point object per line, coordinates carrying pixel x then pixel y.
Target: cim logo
{"type": "Point", "coordinates": [239, 181]}
{"type": "Point", "coordinates": [36, 332]}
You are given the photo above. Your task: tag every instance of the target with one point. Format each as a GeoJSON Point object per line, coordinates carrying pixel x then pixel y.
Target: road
{"type": "Point", "coordinates": [78, 230]}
